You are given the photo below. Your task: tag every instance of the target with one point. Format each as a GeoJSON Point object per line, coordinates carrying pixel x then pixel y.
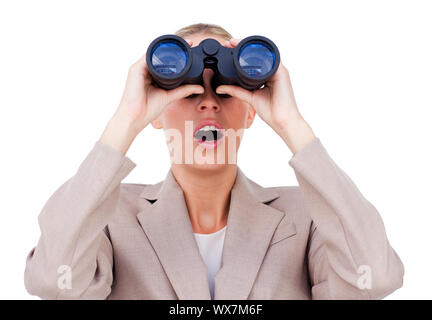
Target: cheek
{"type": "Point", "coordinates": [238, 114]}
{"type": "Point", "coordinates": [174, 115]}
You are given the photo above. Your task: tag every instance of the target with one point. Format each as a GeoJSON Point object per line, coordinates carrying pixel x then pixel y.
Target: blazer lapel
{"type": "Point", "coordinates": [167, 225]}
{"type": "Point", "coordinates": [251, 225]}
{"type": "Point", "coordinates": [250, 228]}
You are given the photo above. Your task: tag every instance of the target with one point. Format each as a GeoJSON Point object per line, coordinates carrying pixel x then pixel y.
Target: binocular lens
{"type": "Point", "coordinates": [256, 59]}
{"type": "Point", "coordinates": [169, 58]}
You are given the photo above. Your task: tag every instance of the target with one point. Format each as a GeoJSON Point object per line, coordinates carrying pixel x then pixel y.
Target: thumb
{"type": "Point", "coordinates": [184, 91]}
{"type": "Point", "coordinates": [235, 91]}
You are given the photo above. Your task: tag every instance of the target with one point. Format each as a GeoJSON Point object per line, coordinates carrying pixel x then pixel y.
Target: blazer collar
{"type": "Point", "coordinates": [251, 225]}
{"type": "Point", "coordinates": [154, 191]}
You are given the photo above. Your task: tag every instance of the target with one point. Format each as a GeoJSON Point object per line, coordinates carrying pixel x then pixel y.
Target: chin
{"type": "Point", "coordinates": [210, 167]}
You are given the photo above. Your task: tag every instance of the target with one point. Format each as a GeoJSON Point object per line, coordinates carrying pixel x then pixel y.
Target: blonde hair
{"type": "Point", "coordinates": [203, 28]}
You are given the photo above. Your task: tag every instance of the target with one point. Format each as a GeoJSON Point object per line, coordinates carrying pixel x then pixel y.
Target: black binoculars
{"type": "Point", "coordinates": [172, 62]}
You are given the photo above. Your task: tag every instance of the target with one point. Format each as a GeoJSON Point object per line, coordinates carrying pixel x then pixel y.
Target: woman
{"type": "Point", "coordinates": [207, 231]}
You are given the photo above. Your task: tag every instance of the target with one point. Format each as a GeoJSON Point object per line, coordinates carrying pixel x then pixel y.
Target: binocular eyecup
{"type": "Point", "coordinates": [172, 62]}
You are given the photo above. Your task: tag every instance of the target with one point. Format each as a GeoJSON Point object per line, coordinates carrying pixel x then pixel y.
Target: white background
{"type": "Point", "coordinates": [361, 72]}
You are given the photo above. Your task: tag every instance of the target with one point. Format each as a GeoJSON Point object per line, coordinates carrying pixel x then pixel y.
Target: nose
{"type": "Point", "coordinates": [209, 100]}
{"type": "Point", "coordinates": [208, 104]}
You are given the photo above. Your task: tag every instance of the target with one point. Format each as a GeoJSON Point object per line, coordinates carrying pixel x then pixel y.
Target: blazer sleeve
{"type": "Point", "coordinates": [349, 255]}
{"type": "Point", "coordinates": [74, 257]}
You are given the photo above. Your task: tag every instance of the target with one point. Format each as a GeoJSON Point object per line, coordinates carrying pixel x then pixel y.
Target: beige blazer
{"type": "Point", "coordinates": [112, 240]}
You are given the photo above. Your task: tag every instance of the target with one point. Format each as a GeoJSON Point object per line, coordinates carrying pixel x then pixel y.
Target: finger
{"type": "Point", "coordinates": [184, 91]}
{"type": "Point", "coordinates": [190, 42]}
{"type": "Point", "coordinates": [235, 42]}
{"type": "Point", "coordinates": [235, 91]}
{"type": "Point", "coordinates": [139, 67]}
{"type": "Point", "coordinates": [281, 74]}
{"type": "Point", "coordinates": [232, 43]}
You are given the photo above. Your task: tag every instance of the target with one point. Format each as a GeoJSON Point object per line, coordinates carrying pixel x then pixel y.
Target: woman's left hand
{"type": "Point", "coordinates": [276, 105]}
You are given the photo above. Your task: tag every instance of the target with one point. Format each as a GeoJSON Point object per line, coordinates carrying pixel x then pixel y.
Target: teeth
{"type": "Point", "coordinates": [208, 128]}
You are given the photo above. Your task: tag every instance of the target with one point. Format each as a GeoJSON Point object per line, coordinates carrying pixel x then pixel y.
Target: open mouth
{"type": "Point", "coordinates": [209, 136]}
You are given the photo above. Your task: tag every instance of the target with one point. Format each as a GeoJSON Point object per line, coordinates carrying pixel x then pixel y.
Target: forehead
{"type": "Point", "coordinates": [197, 38]}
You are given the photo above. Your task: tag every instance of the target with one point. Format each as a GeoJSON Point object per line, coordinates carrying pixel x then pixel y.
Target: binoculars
{"type": "Point", "coordinates": [172, 62]}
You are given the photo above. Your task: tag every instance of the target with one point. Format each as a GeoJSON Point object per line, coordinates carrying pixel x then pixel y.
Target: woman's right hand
{"type": "Point", "coordinates": [140, 104]}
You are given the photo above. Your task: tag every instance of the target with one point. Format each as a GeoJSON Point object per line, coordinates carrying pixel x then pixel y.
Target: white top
{"type": "Point", "coordinates": [210, 246]}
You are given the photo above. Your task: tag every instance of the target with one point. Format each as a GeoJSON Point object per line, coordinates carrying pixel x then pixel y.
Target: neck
{"type": "Point", "coordinates": [207, 195]}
